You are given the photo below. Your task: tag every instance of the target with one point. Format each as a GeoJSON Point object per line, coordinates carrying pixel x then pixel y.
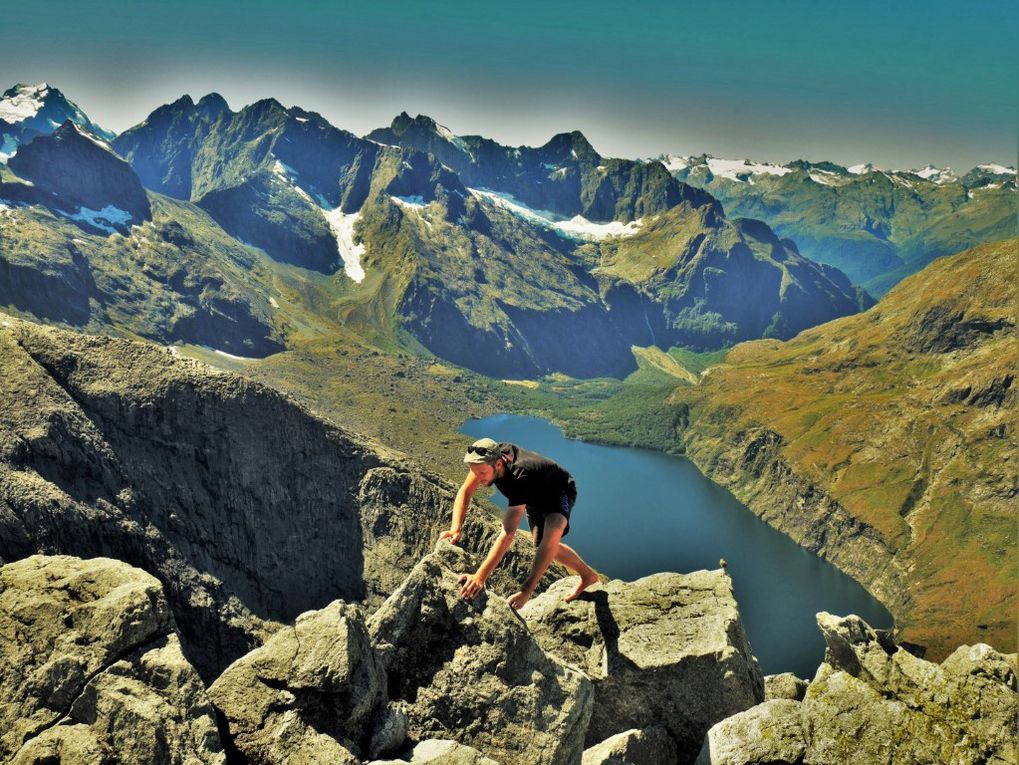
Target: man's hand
{"type": "Point", "coordinates": [517, 600]}
{"type": "Point", "coordinates": [472, 585]}
{"type": "Point", "coordinates": [453, 535]}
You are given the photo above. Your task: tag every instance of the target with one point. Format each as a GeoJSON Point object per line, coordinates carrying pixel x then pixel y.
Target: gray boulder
{"type": "Point", "coordinates": [667, 649]}
{"type": "Point", "coordinates": [471, 672]}
{"type": "Point", "coordinates": [771, 732]}
{"type": "Point", "coordinates": [873, 701]}
{"type": "Point", "coordinates": [308, 695]}
{"type": "Point", "coordinates": [784, 686]}
{"type": "Point", "coordinates": [651, 746]}
{"type": "Point", "coordinates": [91, 670]}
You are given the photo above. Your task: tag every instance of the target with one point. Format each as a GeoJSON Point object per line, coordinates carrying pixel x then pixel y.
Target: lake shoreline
{"type": "Point", "coordinates": [780, 584]}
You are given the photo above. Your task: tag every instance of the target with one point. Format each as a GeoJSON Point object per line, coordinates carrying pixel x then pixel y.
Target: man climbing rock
{"type": "Point", "coordinates": [533, 485]}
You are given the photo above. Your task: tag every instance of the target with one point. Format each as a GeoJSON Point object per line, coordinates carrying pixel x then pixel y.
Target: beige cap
{"type": "Point", "coordinates": [484, 451]}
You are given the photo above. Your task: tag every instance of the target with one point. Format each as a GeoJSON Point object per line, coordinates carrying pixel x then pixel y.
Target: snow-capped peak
{"type": "Point", "coordinates": [674, 162]}
{"type": "Point", "coordinates": [936, 174]}
{"type": "Point", "coordinates": [862, 169]}
{"type": "Point", "coordinates": [22, 102]}
{"type": "Point", "coordinates": [31, 110]}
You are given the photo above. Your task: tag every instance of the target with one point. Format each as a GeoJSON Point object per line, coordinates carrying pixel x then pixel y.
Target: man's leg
{"type": "Point", "coordinates": [569, 558]}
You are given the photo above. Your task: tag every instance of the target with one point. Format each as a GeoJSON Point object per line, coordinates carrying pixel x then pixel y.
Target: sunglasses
{"type": "Point", "coordinates": [481, 451]}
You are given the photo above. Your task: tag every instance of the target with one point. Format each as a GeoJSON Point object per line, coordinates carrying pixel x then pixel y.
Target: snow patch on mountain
{"type": "Point", "coordinates": [674, 163]}
{"type": "Point", "coordinates": [997, 169]}
{"type": "Point", "coordinates": [577, 227]}
{"type": "Point", "coordinates": [342, 226]}
{"type": "Point", "coordinates": [937, 174]}
{"type": "Point", "coordinates": [104, 219]}
{"type": "Point", "coordinates": [824, 177]}
{"type": "Point", "coordinates": [862, 169]}
{"type": "Point", "coordinates": [740, 170]}
{"type": "Point", "coordinates": [413, 202]}
{"type": "Point", "coordinates": [8, 147]}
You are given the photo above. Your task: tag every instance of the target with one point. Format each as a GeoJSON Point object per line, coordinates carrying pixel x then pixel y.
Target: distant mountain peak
{"type": "Point", "coordinates": [27, 111]}
{"type": "Point", "coordinates": [213, 101]}
{"type": "Point", "coordinates": [575, 142]}
{"type": "Point", "coordinates": [862, 169]}
{"type": "Point", "coordinates": [22, 102]}
{"type": "Point", "coordinates": [936, 174]}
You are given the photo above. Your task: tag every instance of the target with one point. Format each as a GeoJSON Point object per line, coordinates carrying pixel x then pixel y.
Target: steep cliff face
{"type": "Point", "coordinates": [247, 507]}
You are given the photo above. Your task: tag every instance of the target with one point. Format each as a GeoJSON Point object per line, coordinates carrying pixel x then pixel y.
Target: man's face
{"type": "Point", "coordinates": [488, 473]}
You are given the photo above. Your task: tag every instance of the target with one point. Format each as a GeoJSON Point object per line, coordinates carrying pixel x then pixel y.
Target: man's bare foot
{"type": "Point", "coordinates": [586, 580]}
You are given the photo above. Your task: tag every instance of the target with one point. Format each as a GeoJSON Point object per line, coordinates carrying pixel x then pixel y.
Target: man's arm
{"type": "Point", "coordinates": [555, 524]}
{"type": "Point", "coordinates": [460, 505]}
{"type": "Point", "coordinates": [474, 583]}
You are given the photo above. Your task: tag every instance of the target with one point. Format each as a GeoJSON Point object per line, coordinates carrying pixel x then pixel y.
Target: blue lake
{"type": "Point", "coordinates": [639, 511]}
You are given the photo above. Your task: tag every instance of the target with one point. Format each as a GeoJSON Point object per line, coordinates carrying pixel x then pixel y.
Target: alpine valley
{"type": "Point", "coordinates": [837, 346]}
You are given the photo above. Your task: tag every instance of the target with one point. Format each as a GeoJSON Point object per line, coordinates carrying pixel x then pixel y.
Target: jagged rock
{"type": "Point", "coordinates": [441, 752]}
{"type": "Point", "coordinates": [651, 746]}
{"type": "Point", "coordinates": [873, 701]}
{"type": "Point", "coordinates": [308, 694]}
{"type": "Point", "coordinates": [784, 686]}
{"type": "Point", "coordinates": [471, 672]}
{"type": "Point", "coordinates": [92, 672]}
{"type": "Point", "coordinates": [667, 649]}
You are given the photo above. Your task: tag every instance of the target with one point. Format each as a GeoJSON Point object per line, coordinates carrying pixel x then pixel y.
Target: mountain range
{"type": "Point", "coordinates": [554, 258]}
{"type": "Point", "coordinates": [875, 225]}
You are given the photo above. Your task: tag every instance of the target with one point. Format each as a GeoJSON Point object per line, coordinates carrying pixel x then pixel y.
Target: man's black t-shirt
{"type": "Point", "coordinates": [537, 482]}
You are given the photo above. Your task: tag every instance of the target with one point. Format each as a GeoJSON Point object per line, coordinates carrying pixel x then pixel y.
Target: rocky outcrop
{"type": "Point", "coordinates": [307, 695]}
{"type": "Point", "coordinates": [91, 670]}
{"type": "Point", "coordinates": [249, 509]}
{"type": "Point", "coordinates": [667, 649]}
{"type": "Point", "coordinates": [873, 701]}
{"type": "Point", "coordinates": [470, 671]}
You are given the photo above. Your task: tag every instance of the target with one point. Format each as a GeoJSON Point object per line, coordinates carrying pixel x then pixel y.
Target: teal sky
{"type": "Point", "coordinates": [897, 84]}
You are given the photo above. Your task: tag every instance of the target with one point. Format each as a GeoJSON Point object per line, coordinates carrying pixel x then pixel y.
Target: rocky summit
{"type": "Point", "coordinates": [244, 610]}
{"type": "Point", "coordinates": [93, 672]}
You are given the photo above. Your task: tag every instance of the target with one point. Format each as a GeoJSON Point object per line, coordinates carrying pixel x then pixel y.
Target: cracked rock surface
{"type": "Point", "coordinates": [91, 670]}
{"type": "Point", "coordinates": [666, 649]}
{"type": "Point", "coordinates": [308, 695]}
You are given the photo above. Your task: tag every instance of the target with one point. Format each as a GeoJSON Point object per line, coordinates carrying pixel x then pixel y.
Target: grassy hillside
{"type": "Point", "coordinates": [904, 417]}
